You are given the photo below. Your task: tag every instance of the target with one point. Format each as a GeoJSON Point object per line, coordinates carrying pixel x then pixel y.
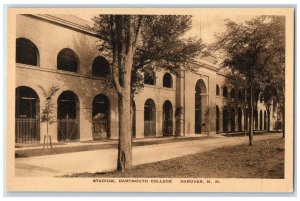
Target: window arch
{"type": "Point", "coordinates": [100, 67]}
{"type": "Point", "coordinates": [26, 52]}
{"type": "Point", "coordinates": [67, 60]}
{"type": "Point", "coordinates": [217, 90]}
{"type": "Point", "coordinates": [167, 80]}
{"type": "Point", "coordinates": [149, 78]}
{"type": "Point", "coordinates": [225, 91]}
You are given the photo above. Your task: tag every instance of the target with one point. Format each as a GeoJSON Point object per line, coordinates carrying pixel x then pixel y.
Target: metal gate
{"type": "Point", "coordinates": [149, 128]}
{"type": "Point", "coordinates": [27, 130]}
{"type": "Point", "coordinates": [67, 129]}
{"type": "Point", "coordinates": [100, 129]}
{"type": "Point", "coordinates": [168, 127]}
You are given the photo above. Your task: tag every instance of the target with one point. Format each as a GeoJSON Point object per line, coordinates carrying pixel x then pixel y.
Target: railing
{"type": "Point", "coordinates": [27, 130]}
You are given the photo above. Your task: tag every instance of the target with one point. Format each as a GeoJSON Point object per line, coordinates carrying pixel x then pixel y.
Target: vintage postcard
{"type": "Point", "coordinates": [150, 99]}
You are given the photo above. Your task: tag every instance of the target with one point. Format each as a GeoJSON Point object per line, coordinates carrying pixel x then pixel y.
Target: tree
{"type": "Point", "coordinates": [246, 49]}
{"type": "Point", "coordinates": [275, 65]}
{"type": "Point", "coordinates": [140, 44]}
{"type": "Point", "coordinates": [47, 112]}
{"type": "Point", "coordinates": [236, 82]}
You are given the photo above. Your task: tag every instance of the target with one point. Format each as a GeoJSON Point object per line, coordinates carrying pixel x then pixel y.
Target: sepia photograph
{"type": "Point", "coordinates": [150, 100]}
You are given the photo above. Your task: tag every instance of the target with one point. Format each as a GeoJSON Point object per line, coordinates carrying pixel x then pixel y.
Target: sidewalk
{"type": "Point", "coordinates": [105, 142]}
{"type": "Point", "coordinates": [105, 159]}
{"type": "Point", "coordinates": [115, 141]}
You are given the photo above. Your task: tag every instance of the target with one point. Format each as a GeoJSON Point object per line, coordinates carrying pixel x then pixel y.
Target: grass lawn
{"type": "Point", "coordinates": [265, 159]}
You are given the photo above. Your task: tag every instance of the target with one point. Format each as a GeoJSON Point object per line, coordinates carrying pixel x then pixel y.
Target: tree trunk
{"type": "Point", "coordinates": [283, 118]}
{"type": "Point", "coordinates": [208, 124]}
{"type": "Point", "coordinates": [251, 116]}
{"type": "Point", "coordinates": [277, 127]}
{"type": "Point", "coordinates": [245, 125]}
{"type": "Point", "coordinates": [124, 148]}
{"type": "Point", "coordinates": [124, 106]}
{"type": "Point", "coordinates": [245, 118]}
{"type": "Point", "coordinates": [269, 119]}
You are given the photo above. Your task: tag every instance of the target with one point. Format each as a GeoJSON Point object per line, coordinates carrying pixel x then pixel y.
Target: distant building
{"type": "Point", "coordinates": [61, 50]}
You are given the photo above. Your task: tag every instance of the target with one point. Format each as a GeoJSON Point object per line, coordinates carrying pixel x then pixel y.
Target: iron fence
{"type": "Point", "coordinates": [27, 130]}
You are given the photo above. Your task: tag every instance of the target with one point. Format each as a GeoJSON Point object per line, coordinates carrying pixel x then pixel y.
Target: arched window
{"type": "Point", "coordinates": [217, 118]}
{"type": "Point", "coordinates": [265, 120]}
{"type": "Point", "coordinates": [240, 119]}
{"type": "Point", "coordinates": [240, 95]}
{"type": "Point", "coordinates": [26, 52]}
{"type": "Point", "coordinates": [261, 98]}
{"type": "Point", "coordinates": [100, 67]}
{"type": "Point", "coordinates": [256, 119]}
{"type": "Point", "coordinates": [27, 122]}
{"type": "Point", "coordinates": [232, 119]}
{"type": "Point", "coordinates": [225, 119]}
{"type": "Point", "coordinates": [225, 92]}
{"type": "Point", "coordinates": [167, 80]}
{"type": "Point", "coordinates": [167, 118]}
{"type": "Point", "coordinates": [260, 120]}
{"type": "Point", "coordinates": [68, 116]}
{"type": "Point", "coordinates": [217, 90]}
{"type": "Point", "coordinates": [232, 94]}
{"type": "Point", "coordinates": [149, 118]}
{"type": "Point", "coordinates": [67, 60]}
{"type": "Point", "coordinates": [200, 101]}
{"type": "Point", "coordinates": [101, 117]}
{"type": "Point", "coordinates": [149, 78]}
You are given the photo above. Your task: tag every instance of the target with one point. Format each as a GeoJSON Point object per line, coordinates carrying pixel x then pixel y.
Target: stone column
{"type": "Point", "coordinates": [85, 124]}
{"type": "Point", "coordinates": [204, 108]}
{"type": "Point", "coordinates": [159, 122]}
{"type": "Point", "coordinates": [114, 124]}
{"type": "Point", "coordinates": [139, 123]}
{"type": "Point", "coordinates": [221, 120]}
{"type": "Point", "coordinates": [179, 123]}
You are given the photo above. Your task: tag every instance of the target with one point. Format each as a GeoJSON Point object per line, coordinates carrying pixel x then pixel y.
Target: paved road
{"type": "Point", "coordinates": [105, 159]}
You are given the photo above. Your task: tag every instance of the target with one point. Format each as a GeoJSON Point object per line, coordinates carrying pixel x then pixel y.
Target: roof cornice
{"type": "Point", "coordinates": [205, 64]}
{"type": "Point", "coordinates": [65, 23]}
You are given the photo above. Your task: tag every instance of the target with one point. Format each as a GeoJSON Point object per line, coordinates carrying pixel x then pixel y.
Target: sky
{"type": "Point", "coordinates": [210, 24]}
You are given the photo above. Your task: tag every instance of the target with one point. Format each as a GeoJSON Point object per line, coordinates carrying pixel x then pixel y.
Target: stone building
{"type": "Point", "coordinates": [60, 50]}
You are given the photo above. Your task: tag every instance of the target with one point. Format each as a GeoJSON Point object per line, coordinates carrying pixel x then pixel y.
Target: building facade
{"type": "Point", "coordinates": [60, 50]}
